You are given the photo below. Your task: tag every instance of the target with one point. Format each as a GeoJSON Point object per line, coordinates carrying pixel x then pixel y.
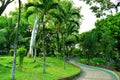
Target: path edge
{"type": "Point", "coordinates": [72, 77]}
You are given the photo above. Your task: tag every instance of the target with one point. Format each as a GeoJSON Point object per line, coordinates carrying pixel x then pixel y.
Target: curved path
{"type": "Point", "coordinates": [95, 73]}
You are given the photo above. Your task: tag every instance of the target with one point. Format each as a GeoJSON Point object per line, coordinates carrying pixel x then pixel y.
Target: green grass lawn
{"type": "Point", "coordinates": [33, 71]}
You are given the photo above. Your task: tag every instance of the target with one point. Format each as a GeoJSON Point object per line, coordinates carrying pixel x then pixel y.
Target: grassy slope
{"type": "Point", "coordinates": [33, 71]}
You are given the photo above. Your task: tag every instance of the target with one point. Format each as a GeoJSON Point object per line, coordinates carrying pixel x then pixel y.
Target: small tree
{"type": "Point", "coordinates": [21, 54]}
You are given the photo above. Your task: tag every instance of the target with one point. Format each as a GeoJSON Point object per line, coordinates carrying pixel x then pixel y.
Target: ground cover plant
{"type": "Point", "coordinates": [33, 71]}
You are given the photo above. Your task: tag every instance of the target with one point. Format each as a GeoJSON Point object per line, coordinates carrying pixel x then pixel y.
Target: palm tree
{"type": "Point", "coordinates": [66, 15]}
{"type": "Point", "coordinates": [45, 6]}
{"type": "Point", "coordinates": [15, 43]}
{"type": "Point", "coordinates": [72, 37]}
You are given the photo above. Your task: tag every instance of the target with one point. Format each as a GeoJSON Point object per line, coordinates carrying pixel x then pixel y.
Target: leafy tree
{"type": "Point", "coordinates": [110, 27]}
{"type": "Point", "coordinates": [107, 44]}
{"type": "Point", "coordinates": [102, 7]}
{"type": "Point", "coordinates": [103, 41]}
{"type": "Point", "coordinates": [89, 44]}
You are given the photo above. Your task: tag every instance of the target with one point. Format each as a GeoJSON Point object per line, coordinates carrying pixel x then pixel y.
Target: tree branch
{"type": "Point", "coordinates": [4, 5]}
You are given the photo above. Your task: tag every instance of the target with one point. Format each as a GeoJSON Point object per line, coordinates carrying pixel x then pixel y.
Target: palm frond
{"type": "Point", "coordinates": [75, 22]}
{"type": "Point", "coordinates": [53, 6]}
{"type": "Point", "coordinates": [29, 13]}
{"type": "Point", "coordinates": [36, 5]}
{"type": "Point", "coordinates": [29, 5]}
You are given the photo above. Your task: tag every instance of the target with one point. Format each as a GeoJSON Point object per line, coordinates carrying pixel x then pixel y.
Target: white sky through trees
{"type": "Point", "coordinates": [88, 17]}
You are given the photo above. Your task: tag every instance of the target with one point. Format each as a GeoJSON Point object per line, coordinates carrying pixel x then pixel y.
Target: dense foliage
{"type": "Point", "coordinates": [103, 41]}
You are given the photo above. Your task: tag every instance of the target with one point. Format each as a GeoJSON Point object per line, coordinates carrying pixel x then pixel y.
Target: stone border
{"type": "Point", "coordinates": [105, 67]}
{"type": "Point", "coordinates": [110, 68]}
{"type": "Point", "coordinates": [72, 76]}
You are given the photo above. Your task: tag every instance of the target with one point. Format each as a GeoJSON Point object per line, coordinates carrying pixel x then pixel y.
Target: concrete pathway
{"type": "Point", "coordinates": [94, 73]}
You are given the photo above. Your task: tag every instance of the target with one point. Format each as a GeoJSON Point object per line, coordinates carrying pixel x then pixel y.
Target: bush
{"type": "Point", "coordinates": [97, 61]}
{"type": "Point", "coordinates": [83, 60]}
{"type": "Point", "coordinates": [11, 52]}
{"type": "Point", "coordinates": [21, 54]}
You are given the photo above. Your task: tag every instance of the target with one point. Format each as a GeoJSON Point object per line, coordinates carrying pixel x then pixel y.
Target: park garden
{"type": "Point", "coordinates": [38, 39]}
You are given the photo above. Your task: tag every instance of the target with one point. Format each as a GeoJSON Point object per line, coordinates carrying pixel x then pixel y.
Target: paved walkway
{"type": "Point", "coordinates": [93, 73]}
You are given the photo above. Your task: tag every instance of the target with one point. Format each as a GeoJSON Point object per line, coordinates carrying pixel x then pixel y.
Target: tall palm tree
{"type": "Point", "coordinates": [66, 15]}
{"type": "Point", "coordinates": [72, 38]}
{"type": "Point", "coordinates": [15, 43]}
{"type": "Point", "coordinates": [45, 6]}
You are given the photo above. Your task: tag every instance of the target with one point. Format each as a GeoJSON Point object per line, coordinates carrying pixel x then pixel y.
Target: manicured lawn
{"type": "Point", "coordinates": [33, 71]}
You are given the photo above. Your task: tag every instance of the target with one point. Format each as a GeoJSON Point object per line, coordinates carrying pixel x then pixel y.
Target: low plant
{"type": "Point", "coordinates": [21, 54]}
{"type": "Point", "coordinates": [83, 60]}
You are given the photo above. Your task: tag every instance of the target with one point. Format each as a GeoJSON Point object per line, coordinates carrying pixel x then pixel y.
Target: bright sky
{"type": "Point", "coordinates": [88, 19]}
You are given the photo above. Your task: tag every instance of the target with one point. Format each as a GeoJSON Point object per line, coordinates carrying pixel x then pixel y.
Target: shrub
{"type": "Point", "coordinates": [83, 60]}
{"type": "Point", "coordinates": [11, 52]}
{"type": "Point", "coordinates": [21, 54]}
{"type": "Point", "coordinates": [98, 61]}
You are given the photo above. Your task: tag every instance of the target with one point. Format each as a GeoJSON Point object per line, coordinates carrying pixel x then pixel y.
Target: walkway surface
{"type": "Point", "coordinates": [93, 73]}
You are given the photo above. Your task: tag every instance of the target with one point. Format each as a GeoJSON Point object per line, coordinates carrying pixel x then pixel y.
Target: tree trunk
{"type": "Point", "coordinates": [35, 55]}
{"type": "Point", "coordinates": [33, 38]}
{"type": "Point", "coordinates": [15, 44]}
{"type": "Point", "coordinates": [64, 51]}
{"type": "Point", "coordinates": [44, 63]}
{"type": "Point", "coordinates": [44, 51]}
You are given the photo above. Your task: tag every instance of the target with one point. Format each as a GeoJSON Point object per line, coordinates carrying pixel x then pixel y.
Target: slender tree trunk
{"type": "Point", "coordinates": [64, 46]}
{"type": "Point", "coordinates": [35, 55]}
{"type": "Point", "coordinates": [43, 43]}
{"type": "Point", "coordinates": [64, 51]}
{"type": "Point", "coordinates": [67, 51]}
{"type": "Point", "coordinates": [15, 44]}
{"type": "Point", "coordinates": [58, 45]}
{"type": "Point", "coordinates": [58, 38]}
{"type": "Point", "coordinates": [44, 64]}
{"type": "Point", "coordinates": [33, 37]}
